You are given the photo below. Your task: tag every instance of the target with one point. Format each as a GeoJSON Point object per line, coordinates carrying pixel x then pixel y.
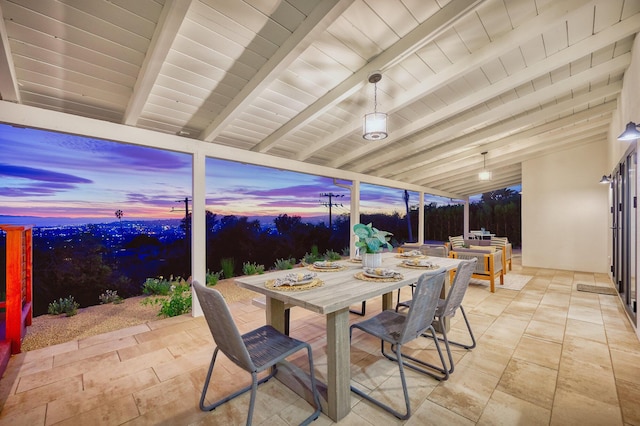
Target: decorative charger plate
{"type": "Point", "coordinates": [316, 282]}
{"type": "Point", "coordinates": [336, 268]}
{"type": "Point", "coordinates": [426, 267]}
{"type": "Point", "coordinates": [363, 277]}
{"type": "Point", "coordinates": [413, 256]}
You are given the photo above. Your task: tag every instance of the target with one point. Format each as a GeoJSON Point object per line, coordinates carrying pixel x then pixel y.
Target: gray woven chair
{"type": "Point", "coordinates": [431, 250]}
{"type": "Point", "coordinates": [254, 352]}
{"type": "Point", "coordinates": [449, 306]}
{"type": "Point", "coordinates": [398, 329]}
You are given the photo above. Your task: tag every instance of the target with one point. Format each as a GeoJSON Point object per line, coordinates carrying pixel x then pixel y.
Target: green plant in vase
{"type": "Point", "coordinates": [371, 242]}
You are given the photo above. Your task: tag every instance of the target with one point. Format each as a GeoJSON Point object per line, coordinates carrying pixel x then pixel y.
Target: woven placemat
{"type": "Point", "coordinates": [420, 256]}
{"type": "Point", "coordinates": [271, 284]}
{"type": "Point", "coordinates": [426, 268]}
{"type": "Point", "coordinates": [339, 268]}
{"type": "Point", "coordinates": [363, 277]}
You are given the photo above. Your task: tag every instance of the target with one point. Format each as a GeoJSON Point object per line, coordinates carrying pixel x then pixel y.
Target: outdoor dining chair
{"type": "Point", "coordinates": [256, 351]}
{"type": "Point", "coordinates": [447, 308]}
{"type": "Point", "coordinates": [398, 329]}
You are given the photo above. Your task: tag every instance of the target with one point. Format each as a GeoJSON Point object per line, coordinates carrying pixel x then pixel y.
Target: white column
{"type": "Point", "coordinates": [354, 211]}
{"type": "Point", "coordinates": [465, 232]}
{"type": "Point", "coordinates": [354, 214]}
{"type": "Point", "coordinates": [198, 227]}
{"type": "Point", "coordinates": [421, 218]}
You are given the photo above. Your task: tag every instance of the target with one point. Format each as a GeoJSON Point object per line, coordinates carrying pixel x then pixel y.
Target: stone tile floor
{"type": "Point", "coordinates": [547, 355]}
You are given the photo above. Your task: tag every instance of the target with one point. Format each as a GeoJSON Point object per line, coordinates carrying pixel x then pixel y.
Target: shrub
{"type": "Point", "coordinates": [332, 255]}
{"type": "Point", "coordinates": [67, 306]}
{"type": "Point", "coordinates": [284, 263]}
{"type": "Point", "coordinates": [346, 251]}
{"type": "Point", "coordinates": [228, 265]}
{"type": "Point", "coordinates": [177, 303]}
{"type": "Point", "coordinates": [249, 268]}
{"type": "Point", "coordinates": [110, 296]}
{"type": "Point", "coordinates": [157, 286]}
{"type": "Point", "coordinates": [212, 278]}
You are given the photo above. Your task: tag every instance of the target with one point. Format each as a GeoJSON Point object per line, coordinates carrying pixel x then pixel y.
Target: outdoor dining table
{"type": "Point", "coordinates": [339, 290]}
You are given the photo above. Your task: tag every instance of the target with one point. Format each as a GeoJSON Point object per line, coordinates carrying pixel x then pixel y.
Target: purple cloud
{"type": "Point", "coordinates": [39, 174]}
{"type": "Point", "coordinates": [26, 191]}
{"type": "Point", "coordinates": [147, 158]}
{"type": "Point", "coordinates": [295, 191]}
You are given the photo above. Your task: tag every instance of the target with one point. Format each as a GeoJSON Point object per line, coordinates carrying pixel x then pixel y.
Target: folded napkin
{"type": "Point", "coordinates": [411, 253]}
{"type": "Point", "coordinates": [325, 264]}
{"type": "Point", "coordinates": [418, 262]}
{"type": "Point", "coordinates": [293, 279]}
{"type": "Point", "coordinates": [383, 272]}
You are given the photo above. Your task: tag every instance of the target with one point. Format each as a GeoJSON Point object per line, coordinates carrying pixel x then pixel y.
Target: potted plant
{"type": "Point", "coordinates": [371, 242]}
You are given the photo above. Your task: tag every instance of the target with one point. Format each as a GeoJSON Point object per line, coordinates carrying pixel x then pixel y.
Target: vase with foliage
{"type": "Point", "coordinates": [371, 242]}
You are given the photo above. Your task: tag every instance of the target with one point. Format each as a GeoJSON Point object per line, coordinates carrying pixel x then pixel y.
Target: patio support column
{"type": "Point", "coordinates": [354, 215]}
{"type": "Point", "coordinates": [354, 210]}
{"type": "Point", "coordinates": [465, 232]}
{"type": "Point", "coordinates": [421, 218]}
{"type": "Point", "coordinates": [198, 227]}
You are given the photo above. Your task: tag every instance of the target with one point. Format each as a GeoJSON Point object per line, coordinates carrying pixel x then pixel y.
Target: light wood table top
{"type": "Point", "coordinates": [340, 289]}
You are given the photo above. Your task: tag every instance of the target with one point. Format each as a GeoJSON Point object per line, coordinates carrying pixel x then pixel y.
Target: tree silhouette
{"type": "Point", "coordinates": [119, 215]}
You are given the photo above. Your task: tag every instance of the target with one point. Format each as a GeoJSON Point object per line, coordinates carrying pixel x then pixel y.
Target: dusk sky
{"type": "Point", "coordinates": [50, 174]}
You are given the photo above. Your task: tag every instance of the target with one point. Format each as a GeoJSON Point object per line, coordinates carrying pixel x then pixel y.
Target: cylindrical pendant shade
{"type": "Point", "coordinates": [484, 175]}
{"type": "Point", "coordinates": [375, 126]}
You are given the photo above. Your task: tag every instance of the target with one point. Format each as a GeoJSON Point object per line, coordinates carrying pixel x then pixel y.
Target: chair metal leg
{"type": "Point", "coordinates": [314, 388]}
{"type": "Point", "coordinates": [227, 398]}
{"type": "Point", "coordinates": [448, 342]}
{"type": "Point", "coordinates": [253, 387]}
{"type": "Point", "coordinates": [362, 309]}
{"type": "Point", "coordinates": [462, 345]}
{"type": "Point", "coordinates": [473, 338]}
{"type": "Point", "coordinates": [404, 389]}
{"type": "Point", "coordinates": [416, 363]}
{"type": "Point", "coordinates": [413, 286]}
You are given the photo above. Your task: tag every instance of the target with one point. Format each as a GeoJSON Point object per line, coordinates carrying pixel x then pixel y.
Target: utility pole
{"type": "Point", "coordinates": [330, 204]}
{"type": "Point", "coordinates": [187, 232]}
{"type": "Point", "coordinates": [408, 216]}
{"type": "Point", "coordinates": [186, 214]}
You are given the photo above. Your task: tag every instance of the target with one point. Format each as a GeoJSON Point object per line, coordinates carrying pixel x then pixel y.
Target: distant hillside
{"type": "Point", "coordinates": [74, 221]}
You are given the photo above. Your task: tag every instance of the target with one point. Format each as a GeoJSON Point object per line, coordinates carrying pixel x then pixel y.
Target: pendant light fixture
{"type": "Point", "coordinates": [375, 123]}
{"type": "Point", "coordinates": [630, 132]}
{"type": "Point", "coordinates": [484, 175]}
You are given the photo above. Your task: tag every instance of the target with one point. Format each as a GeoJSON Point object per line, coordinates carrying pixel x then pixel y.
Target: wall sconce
{"type": "Point", "coordinates": [375, 123]}
{"type": "Point", "coordinates": [605, 179]}
{"type": "Point", "coordinates": [630, 133]}
{"type": "Point", "coordinates": [485, 174]}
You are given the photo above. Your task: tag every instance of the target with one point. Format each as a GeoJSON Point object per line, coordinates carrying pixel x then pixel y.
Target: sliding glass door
{"type": "Point", "coordinates": [624, 200]}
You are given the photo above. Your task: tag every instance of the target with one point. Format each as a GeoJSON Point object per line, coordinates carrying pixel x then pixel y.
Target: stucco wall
{"type": "Point", "coordinates": [564, 209]}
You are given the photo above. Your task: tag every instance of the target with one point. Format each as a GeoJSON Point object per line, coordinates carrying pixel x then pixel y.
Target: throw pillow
{"type": "Point", "coordinates": [457, 241]}
{"type": "Point", "coordinates": [499, 241]}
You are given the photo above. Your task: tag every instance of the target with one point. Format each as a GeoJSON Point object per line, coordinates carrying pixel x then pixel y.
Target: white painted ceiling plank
{"type": "Point", "coordinates": [171, 18]}
{"type": "Point", "coordinates": [424, 33]}
{"type": "Point", "coordinates": [571, 53]}
{"type": "Point", "coordinates": [310, 28]}
{"type": "Point", "coordinates": [8, 81]}
{"type": "Point", "coordinates": [506, 43]}
{"type": "Point", "coordinates": [433, 162]}
{"type": "Point", "coordinates": [526, 103]}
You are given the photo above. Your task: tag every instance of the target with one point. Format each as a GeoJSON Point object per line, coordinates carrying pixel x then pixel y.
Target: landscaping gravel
{"type": "Point", "coordinates": [47, 330]}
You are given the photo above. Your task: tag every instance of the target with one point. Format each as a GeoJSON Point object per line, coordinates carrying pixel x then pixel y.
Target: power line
{"type": "Point", "coordinates": [330, 204]}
